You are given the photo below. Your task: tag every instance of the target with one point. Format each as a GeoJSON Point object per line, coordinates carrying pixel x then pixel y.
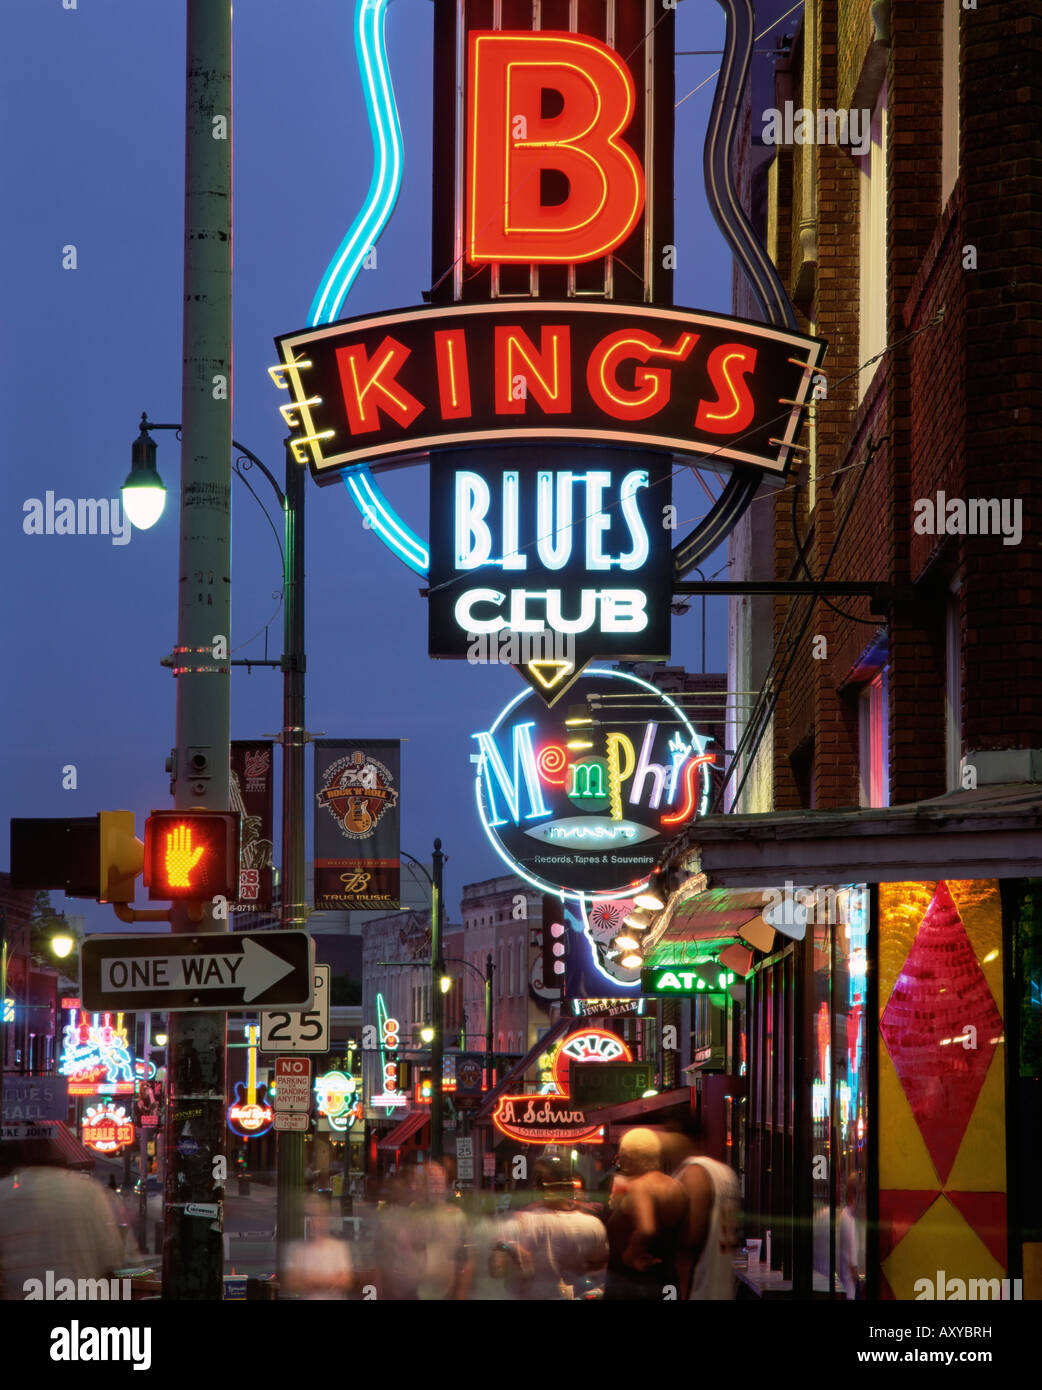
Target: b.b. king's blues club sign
{"type": "Point", "coordinates": [556, 394]}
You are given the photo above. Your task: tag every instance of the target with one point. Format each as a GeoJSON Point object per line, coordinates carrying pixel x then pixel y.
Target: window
{"type": "Point", "coordinates": [873, 244]}
{"type": "Point", "coordinates": [953, 693]}
{"type": "Point", "coordinates": [950, 89]}
{"type": "Point", "coordinates": [873, 720]}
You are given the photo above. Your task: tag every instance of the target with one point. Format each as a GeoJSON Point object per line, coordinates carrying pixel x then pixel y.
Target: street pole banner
{"type": "Point", "coordinates": [252, 795]}
{"type": "Point", "coordinates": [357, 824]}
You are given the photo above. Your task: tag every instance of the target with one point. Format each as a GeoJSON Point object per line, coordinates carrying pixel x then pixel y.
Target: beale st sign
{"type": "Point", "coordinates": [548, 379]}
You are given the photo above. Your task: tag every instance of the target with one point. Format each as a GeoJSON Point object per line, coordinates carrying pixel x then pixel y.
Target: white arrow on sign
{"type": "Point", "coordinates": [254, 970]}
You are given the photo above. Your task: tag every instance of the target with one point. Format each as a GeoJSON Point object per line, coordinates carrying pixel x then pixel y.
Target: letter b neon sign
{"type": "Point", "coordinates": [511, 143]}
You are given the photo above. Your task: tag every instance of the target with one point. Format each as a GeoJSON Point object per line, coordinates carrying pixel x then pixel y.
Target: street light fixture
{"type": "Point", "coordinates": [427, 1034]}
{"type": "Point", "coordinates": [144, 492]}
{"type": "Point", "coordinates": [63, 945]}
{"type": "Point", "coordinates": [160, 1040]}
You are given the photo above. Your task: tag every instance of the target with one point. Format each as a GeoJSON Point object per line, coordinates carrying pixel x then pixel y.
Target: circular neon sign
{"type": "Point", "coordinates": [583, 807]}
{"type": "Point", "coordinates": [588, 1045]}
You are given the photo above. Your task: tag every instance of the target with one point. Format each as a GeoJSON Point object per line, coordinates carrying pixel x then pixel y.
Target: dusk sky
{"type": "Point", "coordinates": [93, 102]}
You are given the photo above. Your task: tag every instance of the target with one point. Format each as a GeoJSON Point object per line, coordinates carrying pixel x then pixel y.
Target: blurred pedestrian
{"type": "Point", "coordinates": [318, 1267]}
{"type": "Point", "coordinates": [52, 1220]}
{"type": "Point", "coordinates": [646, 1222]}
{"type": "Point", "coordinates": [706, 1262]}
{"type": "Point", "coordinates": [551, 1249]}
{"type": "Point", "coordinates": [422, 1245]}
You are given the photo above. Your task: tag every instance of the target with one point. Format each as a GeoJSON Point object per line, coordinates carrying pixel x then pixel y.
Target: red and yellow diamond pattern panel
{"type": "Point", "coordinates": [942, 1149]}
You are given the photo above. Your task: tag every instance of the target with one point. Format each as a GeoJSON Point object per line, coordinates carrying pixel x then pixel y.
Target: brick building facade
{"type": "Point", "coordinates": [951, 406]}
{"type": "Point", "coordinates": [888, 744]}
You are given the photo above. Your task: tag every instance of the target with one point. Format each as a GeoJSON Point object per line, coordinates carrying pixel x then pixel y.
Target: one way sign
{"type": "Point", "coordinates": [215, 970]}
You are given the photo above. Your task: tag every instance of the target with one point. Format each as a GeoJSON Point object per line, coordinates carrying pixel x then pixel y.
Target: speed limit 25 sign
{"type": "Point", "coordinates": [289, 1030]}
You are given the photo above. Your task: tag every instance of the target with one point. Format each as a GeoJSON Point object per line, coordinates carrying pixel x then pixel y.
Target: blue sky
{"type": "Point", "coordinates": [93, 99]}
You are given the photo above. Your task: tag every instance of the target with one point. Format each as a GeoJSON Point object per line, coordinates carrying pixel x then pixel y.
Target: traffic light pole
{"type": "Point", "coordinates": [289, 1146]}
{"type": "Point", "coordinates": [437, 1006]}
{"type": "Point", "coordinates": [489, 967]}
{"type": "Point", "coordinates": [196, 1133]}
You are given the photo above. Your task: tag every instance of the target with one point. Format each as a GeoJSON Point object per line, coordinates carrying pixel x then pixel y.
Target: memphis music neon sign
{"type": "Point", "coordinates": [585, 806]}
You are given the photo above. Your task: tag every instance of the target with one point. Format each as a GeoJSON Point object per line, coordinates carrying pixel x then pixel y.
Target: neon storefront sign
{"type": "Point", "coordinates": [107, 1127]}
{"type": "Point", "coordinates": [587, 1045]}
{"type": "Point", "coordinates": [584, 806]}
{"type": "Point", "coordinates": [96, 1055]}
{"type": "Point", "coordinates": [339, 1098]}
{"type": "Point", "coordinates": [250, 1115]}
{"type": "Point", "coordinates": [630, 371]}
{"type": "Point", "coordinates": [544, 1120]}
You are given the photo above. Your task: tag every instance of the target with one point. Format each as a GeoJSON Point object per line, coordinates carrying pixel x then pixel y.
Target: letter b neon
{"type": "Point", "coordinates": [506, 220]}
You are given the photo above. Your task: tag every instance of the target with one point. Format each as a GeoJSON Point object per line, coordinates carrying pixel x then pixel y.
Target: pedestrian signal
{"type": "Point", "coordinates": [192, 855]}
{"type": "Point", "coordinates": [87, 857]}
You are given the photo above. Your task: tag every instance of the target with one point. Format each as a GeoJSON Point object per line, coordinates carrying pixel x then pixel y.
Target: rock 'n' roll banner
{"type": "Point", "coordinates": [357, 824]}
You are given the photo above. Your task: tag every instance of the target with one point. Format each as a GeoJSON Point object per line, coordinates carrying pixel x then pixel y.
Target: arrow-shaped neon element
{"type": "Point", "coordinates": [555, 672]}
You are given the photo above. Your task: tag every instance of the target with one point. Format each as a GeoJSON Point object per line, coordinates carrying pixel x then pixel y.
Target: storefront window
{"type": "Point", "coordinates": [850, 1089]}
{"type": "Point", "coordinates": [820, 931]}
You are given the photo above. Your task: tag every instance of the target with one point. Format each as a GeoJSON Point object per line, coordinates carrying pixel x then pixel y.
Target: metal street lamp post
{"type": "Point", "coordinates": [293, 664]}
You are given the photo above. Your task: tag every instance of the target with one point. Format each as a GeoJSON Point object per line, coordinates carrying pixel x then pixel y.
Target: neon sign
{"type": "Point", "coordinates": [339, 1098]}
{"type": "Point", "coordinates": [548, 203]}
{"type": "Point", "coordinates": [96, 1055]}
{"type": "Point", "coordinates": [593, 820]}
{"type": "Point", "coordinates": [510, 144]}
{"type": "Point", "coordinates": [390, 1096]}
{"type": "Point", "coordinates": [693, 977]}
{"type": "Point", "coordinates": [250, 1115]}
{"type": "Point", "coordinates": [544, 1120]}
{"type": "Point", "coordinates": [588, 1045]}
{"type": "Point", "coordinates": [107, 1127]}
{"type": "Point", "coordinates": [397, 384]}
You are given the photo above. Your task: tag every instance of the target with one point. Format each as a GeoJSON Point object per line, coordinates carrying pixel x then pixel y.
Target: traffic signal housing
{"type": "Point", "coordinates": [553, 943]}
{"type": "Point", "coordinates": [192, 855]}
{"type": "Point", "coordinates": [95, 857]}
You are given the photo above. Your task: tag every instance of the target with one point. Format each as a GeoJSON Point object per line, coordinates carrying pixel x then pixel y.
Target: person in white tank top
{"type": "Point", "coordinates": [714, 1201]}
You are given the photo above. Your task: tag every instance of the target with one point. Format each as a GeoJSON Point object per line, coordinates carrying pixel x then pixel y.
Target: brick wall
{"type": "Point", "coordinates": [954, 408]}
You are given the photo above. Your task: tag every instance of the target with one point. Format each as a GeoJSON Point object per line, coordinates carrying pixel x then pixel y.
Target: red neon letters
{"type": "Point", "coordinates": [370, 385]}
{"type": "Point", "coordinates": [651, 385]}
{"type": "Point", "coordinates": [631, 374]}
{"type": "Point", "coordinates": [522, 369]}
{"type": "Point", "coordinates": [733, 409]}
{"type": "Point", "coordinates": [510, 144]}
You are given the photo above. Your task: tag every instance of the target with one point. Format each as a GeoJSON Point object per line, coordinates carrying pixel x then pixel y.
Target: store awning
{"type": "Point", "coordinates": [62, 1145]}
{"type": "Point", "coordinates": [403, 1130]}
{"type": "Point", "coordinates": [649, 1112]}
{"type": "Point", "coordinates": [988, 832]}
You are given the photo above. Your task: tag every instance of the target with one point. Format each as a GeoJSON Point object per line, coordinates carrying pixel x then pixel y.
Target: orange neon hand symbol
{"type": "Point", "coordinates": [181, 858]}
